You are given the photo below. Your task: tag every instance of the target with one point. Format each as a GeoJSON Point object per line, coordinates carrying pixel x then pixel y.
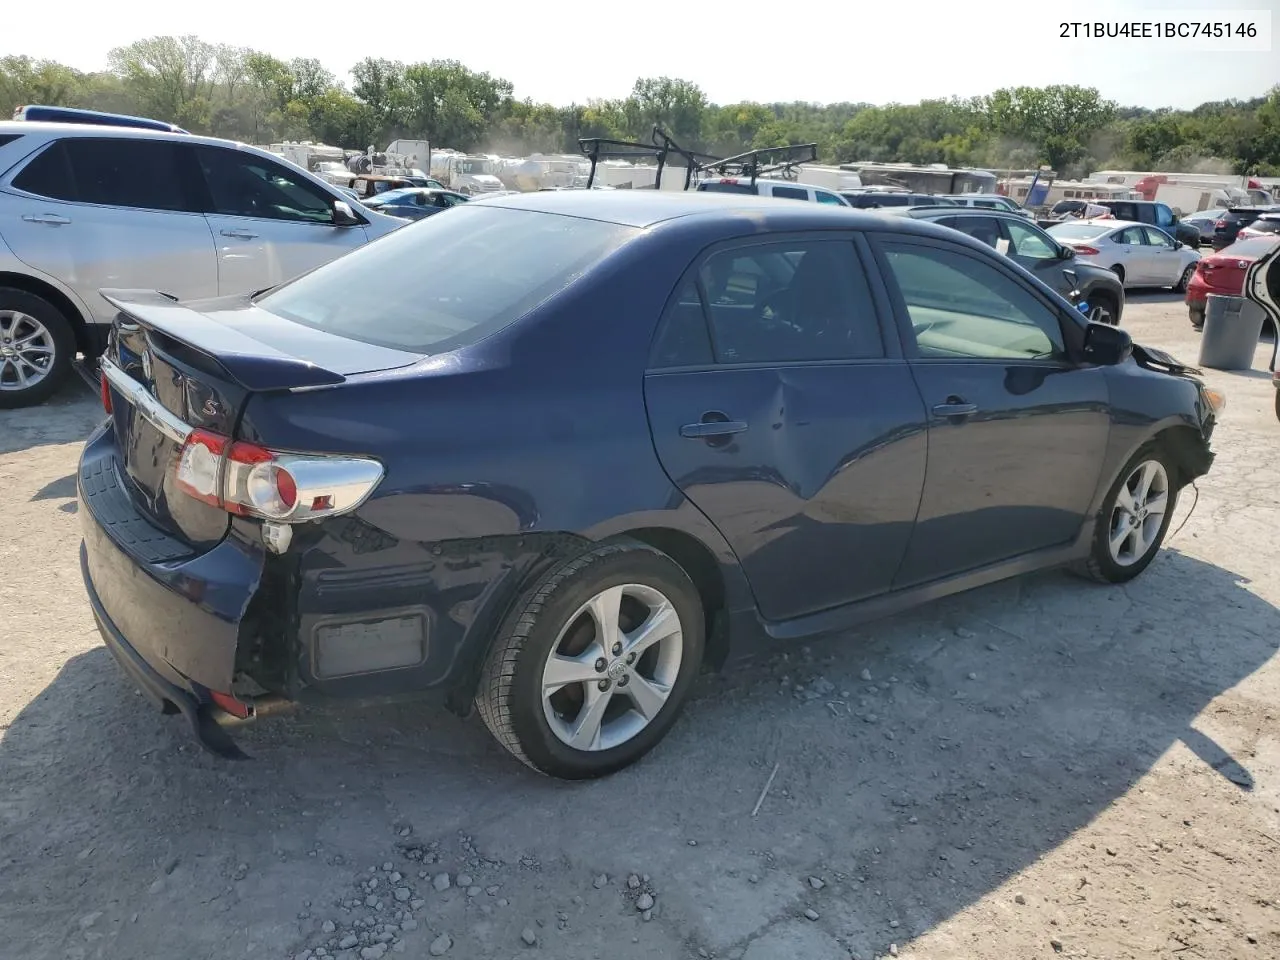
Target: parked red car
{"type": "Point", "coordinates": [1223, 272]}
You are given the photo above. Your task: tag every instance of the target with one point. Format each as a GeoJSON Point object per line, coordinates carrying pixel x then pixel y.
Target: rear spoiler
{"type": "Point", "coordinates": [252, 364]}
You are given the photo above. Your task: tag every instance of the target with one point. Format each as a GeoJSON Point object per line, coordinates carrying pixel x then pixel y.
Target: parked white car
{"type": "Point", "coordinates": [1139, 254]}
{"type": "Point", "coordinates": [86, 207]}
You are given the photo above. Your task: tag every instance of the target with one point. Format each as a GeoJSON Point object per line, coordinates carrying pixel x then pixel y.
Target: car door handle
{"type": "Point", "coordinates": [240, 233]}
{"type": "Point", "coordinates": [712, 428]}
{"type": "Point", "coordinates": [955, 408]}
{"type": "Point", "coordinates": [52, 218]}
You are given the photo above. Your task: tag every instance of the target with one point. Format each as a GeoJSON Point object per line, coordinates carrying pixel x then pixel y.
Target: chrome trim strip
{"type": "Point", "coordinates": [145, 403]}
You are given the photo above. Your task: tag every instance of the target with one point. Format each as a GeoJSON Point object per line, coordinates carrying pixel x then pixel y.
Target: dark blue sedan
{"type": "Point", "coordinates": [414, 203]}
{"type": "Point", "coordinates": [572, 446]}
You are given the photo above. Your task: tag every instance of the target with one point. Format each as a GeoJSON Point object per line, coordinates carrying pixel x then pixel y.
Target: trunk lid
{"type": "Point", "coordinates": [174, 367]}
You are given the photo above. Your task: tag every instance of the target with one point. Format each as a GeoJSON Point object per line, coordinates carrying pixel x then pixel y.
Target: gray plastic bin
{"type": "Point", "coordinates": [1232, 326]}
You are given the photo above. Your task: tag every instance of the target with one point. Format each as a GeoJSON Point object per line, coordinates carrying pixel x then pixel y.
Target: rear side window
{"type": "Point", "coordinates": [683, 340]}
{"type": "Point", "coordinates": [142, 174]}
{"type": "Point", "coordinates": [8, 138]}
{"type": "Point", "coordinates": [791, 193]}
{"type": "Point", "coordinates": [48, 174]}
{"type": "Point", "coordinates": [447, 281]}
{"type": "Point", "coordinates": [786, 302]}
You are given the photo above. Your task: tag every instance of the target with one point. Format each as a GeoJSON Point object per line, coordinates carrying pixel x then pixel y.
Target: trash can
{"type": "Point", "coordinates": [1232, 326]}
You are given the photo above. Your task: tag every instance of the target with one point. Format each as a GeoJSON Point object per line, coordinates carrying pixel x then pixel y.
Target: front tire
{"type": "Point", "coordinates": [36, 348]}
{"type": "Point", "coordinates": [1102, 309]}
{"type": "Point", "coordinates": [1185, 280]}
{"type": "Point", "coordinates": [595, 662]}
{"type": "Point", "coordinates": [1134, 517]}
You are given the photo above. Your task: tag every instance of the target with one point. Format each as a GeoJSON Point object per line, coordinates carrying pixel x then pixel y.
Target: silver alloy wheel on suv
{"type": "Point", "coordinates": [27, 351]}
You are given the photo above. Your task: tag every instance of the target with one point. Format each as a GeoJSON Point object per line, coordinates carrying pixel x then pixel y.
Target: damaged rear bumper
{"type": "Point", "coordinates": [171, 615]}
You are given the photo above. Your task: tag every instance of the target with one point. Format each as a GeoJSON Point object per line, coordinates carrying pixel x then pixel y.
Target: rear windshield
{"type": "Point", "coordinates": [1253, 247]}
{"type": "Point", "coordinates": [448, 280]}
{"type": "Point", "coordinates": [1077, 231]}
{"type": "Point", "coordinates": [715, 186]}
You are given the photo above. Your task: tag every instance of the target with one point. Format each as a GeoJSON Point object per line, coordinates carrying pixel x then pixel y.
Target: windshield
{"type": "Point", "coordinates": [447, 281]}
{"type": "Point", "coordinates": [1077, 231]}
{"type": "Point", "coordinates": [474, 167]}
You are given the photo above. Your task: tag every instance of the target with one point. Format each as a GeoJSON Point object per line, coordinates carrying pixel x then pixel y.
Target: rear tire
{"type": "Point", "coordinates": [574, 706]}
{"type": "Point", "coordinates": [36, 346]}
{"type": "Point", "coordinates": [1131, 524]}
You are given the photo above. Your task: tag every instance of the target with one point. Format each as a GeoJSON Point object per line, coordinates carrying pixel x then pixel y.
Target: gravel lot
{"type": "Point", "coordinates": [1043, 767]}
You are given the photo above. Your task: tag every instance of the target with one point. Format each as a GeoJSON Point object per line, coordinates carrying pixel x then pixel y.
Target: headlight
{"type": "Point", "coordinates": [1216, 399]}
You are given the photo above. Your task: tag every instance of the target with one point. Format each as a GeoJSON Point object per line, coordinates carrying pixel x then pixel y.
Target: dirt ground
{"type": "Point", "coordinates": [1041, 768]}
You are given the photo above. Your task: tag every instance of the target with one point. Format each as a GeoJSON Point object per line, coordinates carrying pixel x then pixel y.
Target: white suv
{"type": "Point", "coordinates": [86, 207]}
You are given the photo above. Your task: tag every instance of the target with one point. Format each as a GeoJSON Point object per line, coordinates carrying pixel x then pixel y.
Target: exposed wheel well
{"type": "Point", "coordinates": [1118, 270]}
{"type": "Point", "coordinates": [40, 288]}
{"type": "Point", "coordinates": [1183, 444]}
{"type": "Point", "coordinates": [704, 570]}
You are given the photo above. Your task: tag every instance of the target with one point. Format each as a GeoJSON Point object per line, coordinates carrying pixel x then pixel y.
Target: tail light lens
{"type": "Point", "coordinates": [1087, 251]}
{"type": "Point", "coordinates": [253, 481]}
{"type": "Point", "coordinates": [104, 390]}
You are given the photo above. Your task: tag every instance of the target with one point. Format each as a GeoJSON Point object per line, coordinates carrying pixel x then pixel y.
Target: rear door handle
{"type": "Point", "coordinates": [240, 233]}
{"type": "Point", "coordinates": [955, 408]}
{"type": "Point", "coordinates": [712, 428]}
{"type": "Point", "coordinates": [52, 218]}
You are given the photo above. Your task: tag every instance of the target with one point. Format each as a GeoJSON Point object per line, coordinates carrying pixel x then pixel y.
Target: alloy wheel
{"type": "Point", "coordinates": [26, 350]}
{"type": "Point", "coordinates": [612, 667]}
{"type": "Point", "coordinates": [1138, 514]}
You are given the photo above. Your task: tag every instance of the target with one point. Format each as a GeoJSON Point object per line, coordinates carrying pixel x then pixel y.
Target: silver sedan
{"type": "Point", "coordinates": [1139, 254]}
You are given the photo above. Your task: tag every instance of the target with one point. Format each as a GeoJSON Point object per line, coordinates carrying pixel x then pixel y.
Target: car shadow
{"type": "Point", "coordinates": [995, 725]}
{"type": "Point", "coordinates": [66, 417]}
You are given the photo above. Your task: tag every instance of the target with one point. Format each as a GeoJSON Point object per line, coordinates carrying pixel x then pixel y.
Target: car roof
{"type": "Point", "coordinates": [646, 208]}
{"type": "Point", "coordinates": [921, 213]}
{"type": "Point", "coordinates": [46, 130]}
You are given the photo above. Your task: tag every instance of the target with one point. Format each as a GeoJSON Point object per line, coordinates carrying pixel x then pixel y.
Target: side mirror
{"type": "Point", "coordinates": [1066, 253]}
{"type": "Point", "coordinates": [1178, 244]}
{"type": "Point", "coordinates": [343, 215]}
{"type": "Point", "coordinates": [1106, 345]}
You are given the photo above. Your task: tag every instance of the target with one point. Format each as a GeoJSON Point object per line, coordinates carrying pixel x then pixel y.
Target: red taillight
{"type": "Point", "coordinates": [1087, 251]}
{"type": "Point", "coordinates": [250, 480]}
{"type": "Point", "coordinates": [728, 179]}
{"type": "Point", "coordinates": [104, 389]}
{"type": "Point", "coordinates": [1220, 225]}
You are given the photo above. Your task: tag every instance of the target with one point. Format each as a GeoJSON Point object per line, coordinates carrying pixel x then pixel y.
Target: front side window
{"type": "Point", "coordinates": [1164, 216]}
{"type": "Point", "coordinates": [1158, 238]}
{"type": "Point", "coordinates": [785, 302]}
{"type": "Point", "coordinates": [1029, 243]}
{"type": "Point", "coordinates": [963, 308]}
{"type": "Point", "coordinates": [830, 198]}
{"type": "Point", "coordinates": [245, 185]}
{"type": "Point", "coordinates": [449, 280]}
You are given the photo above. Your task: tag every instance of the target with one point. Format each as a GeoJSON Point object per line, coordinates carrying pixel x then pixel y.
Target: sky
{"type": "Point", "coordinates": [821, 51]}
